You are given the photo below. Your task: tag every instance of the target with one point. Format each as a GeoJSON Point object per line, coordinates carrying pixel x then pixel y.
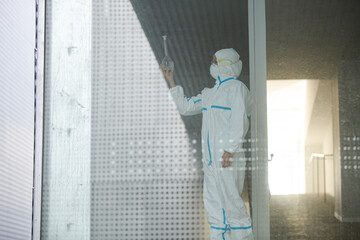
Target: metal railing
{"type": "Point", "coordinates": [323, 157]}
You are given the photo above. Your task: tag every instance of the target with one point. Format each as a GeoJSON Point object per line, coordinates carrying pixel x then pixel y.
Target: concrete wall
{"type": "Point", "coordinates": [349, 129]}
{"type": "Point", "coordinates": [67, 121]}
{"type": "Point", "coordinates": [336, 142]}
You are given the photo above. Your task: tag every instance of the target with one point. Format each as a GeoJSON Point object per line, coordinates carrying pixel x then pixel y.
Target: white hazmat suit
{"type": "Point", "coordinates": [224, 126]}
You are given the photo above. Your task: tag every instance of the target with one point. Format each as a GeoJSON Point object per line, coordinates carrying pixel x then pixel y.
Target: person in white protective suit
{"type": "Point", "coordinates": [224, 126]}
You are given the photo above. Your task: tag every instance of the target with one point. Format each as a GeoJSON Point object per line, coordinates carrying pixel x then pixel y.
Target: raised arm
{"type": "Point", "coordinates": [186, 106]}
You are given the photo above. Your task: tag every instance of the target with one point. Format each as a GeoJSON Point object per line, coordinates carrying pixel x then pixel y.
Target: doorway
{"type": "Point", "coordinates": [301, 167]}
{"type": "Point", "coordinates": [286, 135]}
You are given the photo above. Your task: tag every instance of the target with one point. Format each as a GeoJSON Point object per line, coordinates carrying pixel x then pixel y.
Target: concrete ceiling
{"type": "Point", "coordinates": [307, 38]}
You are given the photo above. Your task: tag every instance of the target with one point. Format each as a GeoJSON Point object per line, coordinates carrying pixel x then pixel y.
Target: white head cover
{"type": "Point", "coordinates": [228, 62]}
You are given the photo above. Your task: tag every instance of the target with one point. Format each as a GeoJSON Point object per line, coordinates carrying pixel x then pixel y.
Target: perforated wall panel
{"type": "Point", "coordinates": [146, 179]}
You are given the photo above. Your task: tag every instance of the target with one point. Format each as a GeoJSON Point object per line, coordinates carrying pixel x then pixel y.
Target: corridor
{"type": "Point", "coordinates": [307, 217]}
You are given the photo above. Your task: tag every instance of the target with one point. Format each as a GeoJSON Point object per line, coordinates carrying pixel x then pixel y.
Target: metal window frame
{"type": "Point", "coordinates": [257, 61]}
{"type": "Point", "coordinates": [39, 70]}
{"type": "Point", "coordinates": [257, 41]}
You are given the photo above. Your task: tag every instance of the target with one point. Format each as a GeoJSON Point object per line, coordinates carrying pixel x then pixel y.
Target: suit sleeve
{"type": "Point", "coordinates": [186, 106]}
{"type": "Point", "coordinates": [238, 123]}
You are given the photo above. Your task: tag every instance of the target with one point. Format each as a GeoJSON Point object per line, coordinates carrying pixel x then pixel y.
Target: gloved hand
{"type": "Point", "coordinates": [226, 159]}
{"type": "Point", "coordinates": [168, 75]}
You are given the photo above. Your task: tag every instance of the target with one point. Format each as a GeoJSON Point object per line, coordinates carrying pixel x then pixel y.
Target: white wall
{"type": "Point", "coordinates": [311, 91]}
{"type": "Point", "coordinates": [17, 41]}
{"type": "Point", "coordinates": [319, 137]}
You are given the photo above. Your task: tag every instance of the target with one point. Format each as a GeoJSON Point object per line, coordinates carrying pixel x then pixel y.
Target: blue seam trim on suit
{"type": "Point", "coordinates": [240, 228]}
{"type": "Point", "coordinates": [209, 148]}
{"type": "Point", "coordinates": [197, 100]}
{"type": "Point", "coordinates": [203, 109]}
{"type": "Point", "coordinates": [224, 216]}
{"type": "Point", "coordinates": [226, 226]}
{"type": "Point", "coordinates": [217, 228]}
{"type": "Point", "coordinates": [224, 80]}
{"type": "Point", "coordinates": [234, 228]}
{"type": "Point", "coordinates": [221, 107]}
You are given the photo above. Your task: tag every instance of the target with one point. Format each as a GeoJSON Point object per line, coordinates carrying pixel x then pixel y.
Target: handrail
{"type": "Point", "coordinates": [323, 157]}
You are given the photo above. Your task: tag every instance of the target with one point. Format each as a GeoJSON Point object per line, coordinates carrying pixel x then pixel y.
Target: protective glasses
{"type": "Point", "coordinates": [230, 62]}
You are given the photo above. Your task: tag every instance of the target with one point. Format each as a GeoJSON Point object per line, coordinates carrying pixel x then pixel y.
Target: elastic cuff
{"type": "Point", "coordinates": [232, 153]}
{"type": "Point", "coordinates": [174, 88]}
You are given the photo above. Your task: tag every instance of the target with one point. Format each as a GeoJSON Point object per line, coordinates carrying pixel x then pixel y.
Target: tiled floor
{"type": "Point", "coordinates": [307, 217]}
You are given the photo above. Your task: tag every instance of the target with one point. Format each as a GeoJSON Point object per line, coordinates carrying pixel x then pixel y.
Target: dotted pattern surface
{"type": "Point", "coordinates": [146, 178]}
{"type": "Point", "coordinates": [351, 158]}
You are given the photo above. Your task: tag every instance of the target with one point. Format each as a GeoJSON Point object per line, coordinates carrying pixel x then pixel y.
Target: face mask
{"type": "Point", "coordinates": [214, 71]}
